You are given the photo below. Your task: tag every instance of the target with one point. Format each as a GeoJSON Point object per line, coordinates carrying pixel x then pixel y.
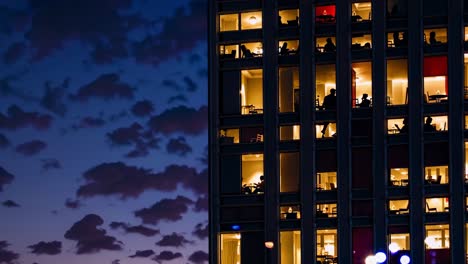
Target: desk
{"type": "Point", "coordinates": [289, 216]}
{"type": "Point", "coordinates": [356, 18]}
{"type": "Point", "coordinates": [325, 19]}
{"type": "Point", "coordinates": [293, 23]}
{"type": "Point", "coordinates": [395, 182]}
{"type": "Point", "coordinates": [393, 131]}
{"type": "Point", "coordinates": [437, 97]}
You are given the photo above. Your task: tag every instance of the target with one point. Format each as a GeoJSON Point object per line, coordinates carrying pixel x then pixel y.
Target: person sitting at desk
{"type": "Point", "coordinates": [246, 53]}
{"type": "Point", "coordinates": [260, 186]}
{"type": "Point", "coordinates": [432, 39]}
{"type": "Point", "coordinates": [364, 101]}
{"type": "Point", "coordinates": [329, 46]}
{"type": "Point", "coordinates": [404, 128]}
{"type": "Point", "coordinates": [428, 127]}
{"type": "Point", "coordinates": [280, 24]}
{"type": "Point", "coordinates": [284, 49]}
{"type": "Point", "coordinates": [329, 103]}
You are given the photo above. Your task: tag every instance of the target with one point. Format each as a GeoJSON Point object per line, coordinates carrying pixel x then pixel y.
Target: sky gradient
{"type": "Point", "coordinates": [103, 132]}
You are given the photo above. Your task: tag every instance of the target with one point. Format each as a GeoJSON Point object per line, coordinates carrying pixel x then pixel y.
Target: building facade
{"type": "Point", "coordinates": [338, 128]}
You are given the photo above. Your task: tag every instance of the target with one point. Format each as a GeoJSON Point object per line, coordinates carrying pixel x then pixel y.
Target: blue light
{"type": "Point", "coordinates": [235, 227]}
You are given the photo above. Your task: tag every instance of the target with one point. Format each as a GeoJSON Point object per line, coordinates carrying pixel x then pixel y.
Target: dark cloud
{"type": "Point", "coordinates": [173, 240]}
{"type": "Point", "coordinates": [10, 204]}
{"type": "Point", "coordinates": [106, 86]}
{"type": "Point", "coordinates": [116, 261]}
{"type": "Point", "coordinates": [169, 42]}
{"type": "Point", "coordinates": [5, 178]}
{"type": "Point", "coordinates": [89, 238]}
{"type": "Point", "coordinates": [52, 99]}
{"type": "Point", "coordinates": [142, 108]}
{"type": "Point", "coordinates": [198, 257]}
{"type": "Point", "coordinates": [14, 52]}
{"type": "Point", "coordinates": [129, 181]}
{"type": "Point", "coordinates": [167, 256]}
{"type": "Point", "coordinates": [181, 119]}
{"type": "Point", "coordinates": [107, 52]}
{"type": "Point", "coordinates": [50, 164]}
{"type": "Point", "coordinates": [175, 98]}
{"type": "Point", "coordinates": [16, 118]}
{"type": "Point", "coordinates": [56, 22]}
{"type": "Point", "coordinates": [73, 204]}
{"type": "Point", "coordinates": [169, 210]}
{"type": "Point", "coordinates": [4, 142]}
{"type": "Point", "coordinates": [201, 231]}
{"type": "Point", "coordinates": [204, 158]}
{"type": "Point", "coordinates": [178, 146]}
{"type": "Point", "coordinates": [7, 256]}
{"type": "Point", "coordinates": [126, 135]}
{"type": "Point", "coordinates": [90, 122]}
{"type": "Point", "coordinates": [171, 84]}
{"type": "Point", "coordinates": [8, 89]}
{"type": "Point", "coordinates": [139, 229]}
{"type": "Point", "coordinates": [142, 254]}
{"type": "Point", "coordinates": [201, 205]}
{"type": "Point", "coordinates": [31, 148]}
{"type": "Point", "coordinates": [190, 84]}
{"type": "Point", "coordinates": [46, 248]}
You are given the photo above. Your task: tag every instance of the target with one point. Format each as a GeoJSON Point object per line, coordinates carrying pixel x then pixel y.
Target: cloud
{"type": "Point", "coordinates": [14, 52]}
{"type": "Point", "coordinates": [142, 253]}
{"type": "Point", "coordinates": [31, 148]}
{"type": "Point", "coordinates": [52, 99]}
{"type": "Point", "coordinates": [142, 108]}
{"type": "Point", "coordinates": [50, 164]}
{"type": "Point", "coordinates": [190, 84]}
{"type": "Point", "coordinates": [181, 119]}
{"type": "Point", "coordinates": [56, 22]}
{"type": "Point", "coordinates": [89, 238]}
{"type": "Point", "coordinates": [167, 256]}
{"type": "Point", "coordinates": [169, 210]}
{"type": "Point", "coordinates": [198, 257]}
{"type": "Point", "coordinates": [180, 97]}
{"type": "Point", "coordinates": [106, 86]}
{"type": "Point", "coordinates": [178, 146]}
{"type": "Point", "coordinates": [201, 204]}
{"type": "Point", "coordinates": [169, 42]}
{"type": "Point", "coordinates": [201, 231]}
{"type": "Point", "coordinates": [73, 204]}
{"type": "Point", "coordinates": [7, 256]}
{"type": "Point", "coordinates": [126, 135]}
{"type": "Point", "coordinates": [173, 240]}
{"type": "Point", "coordinates": [125, 181]}
{"type": "Point", "coordinates": [89, 122]}
{"type": "Point", "coordinates": [139, 229]}
{"type": "Point", "coordinates": [10, 204]}
{"type": "Point", "coordinates": [16, 118]}
{"type": "Point", "coordinates": [4, 142]}
{"type": "Point", "coordinates": [46, 248]}
{"type": "Point", "coordinates": [5, 178]}
{"type": "Point", "coordinates": [171, 84]}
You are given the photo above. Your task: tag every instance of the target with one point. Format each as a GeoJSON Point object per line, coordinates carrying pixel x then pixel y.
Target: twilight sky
{"type": "Point", "coordinates": [103, 117]}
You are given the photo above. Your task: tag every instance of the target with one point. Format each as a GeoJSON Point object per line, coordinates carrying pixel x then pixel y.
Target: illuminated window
{"type": "Point", "coordinates": [436, 175]}
{"type": "Point", "coordinates": [401, 240]}
{"type": "Point", "coordinates": [325, 83]}
{"type": "Point", "coordinates": [398, 207]}
{"type": "Point", "coordinates": [325, 130]}
{"type": "Point", "coordinates": [288, 18]}
{"type": "Point", "coordinates": [466, 33]}
{"type": "Point", "coordinates": [229, 136]}
{"type": "Point", "coordinates": [326, 181]}
{"type": "Point", "coordinates": [437, 205]}
{"type": "Point", "coordinates": [397, 126]}
{"type": "Point", "coordinates": [361, 77]}
{"type": "Point", "coordinates": [466, 162]}
{"type": "Point", "coordinates": [243, 50]}
{"type": "Point", "coordinates": [437, 237]}
{"type": "Point", "coordinates": [361, 11]}
{"type": "Point", "coordinates": [290, 212]}
{"type": "Point", "coordinates": [289, 171]}
{"type": "Point", "coordinates": [397, 82]}
{"type": "Point", "coordinates": [435, 36]}
{"type": "Point", "coordinates": [399, 177]}
{"type": "Point", "coordinates": [435, 123]}
{"type": "Point", "coordinates": [465, 70]}
{"type": "Point", "coordinates": [288, 47]}
{"type": "Point", "coordinates": [253, 181]}
{"type": "Point", "coordinates": [361, 41]}
{"type": "Point", "coordinates": [252, 92]}
{"type": "Point", "coordinates": [326, 210]}
{"type": "Point", "coordinates": [251, 20]}
{"type": "Point", "coordinates": [289, 93]}
{"type": "Point", "coordinates": [230, 248]}
{"type": "Point", "coordinates": [290, 133]}
{"type": "Point", "coordinates": [397, 39]}
{"type": "Point", "coordinates": [466, 122]}
{"type": "Point", "coordinates": [290, 247]}
{"type": "Point", "coordinates": [229, 22]}
{"type": "Point", "coordinates": [325, 44]}
{"type": "Point", "coordinates": [327, 245]}
{"type": "Point", "coordinates": [325, 14]}
{"type": "Point", "coordinates": [435, 79]}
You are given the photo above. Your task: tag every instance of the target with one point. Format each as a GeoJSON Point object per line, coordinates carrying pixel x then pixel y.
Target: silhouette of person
{"type": "Point", "coordinates": [404, 128]}
{"type": "Point", "coordinates": [396, 39]}
{"type": "Point", "coordinates": [329, 46]}
{"type": "Point", "coordinates": [260, 186]}
{"type": "Point", "coordinates": [329, 103]}
{"type": "Point", "coordinates": [279, 21]}
{"type": "Point", "coordinates": [404, 40]}
{"type": "Point", "coordinates": [428, 127]}
{"type": "Point", "coordinates": [284, 49]}
{"type": "Point", "coordinates": [432, 38]}
{"type": "Point", "coordinates": [364, 101]}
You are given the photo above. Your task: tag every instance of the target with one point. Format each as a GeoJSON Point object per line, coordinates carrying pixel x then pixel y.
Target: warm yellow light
{"type": "Point", "coordinates": [269, 244]}
{"type": "Point", "coordinates": [252, 20]}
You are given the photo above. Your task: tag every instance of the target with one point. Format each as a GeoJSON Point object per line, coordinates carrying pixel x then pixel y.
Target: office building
{"type": "Point", "coordinates": [338, 128]}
